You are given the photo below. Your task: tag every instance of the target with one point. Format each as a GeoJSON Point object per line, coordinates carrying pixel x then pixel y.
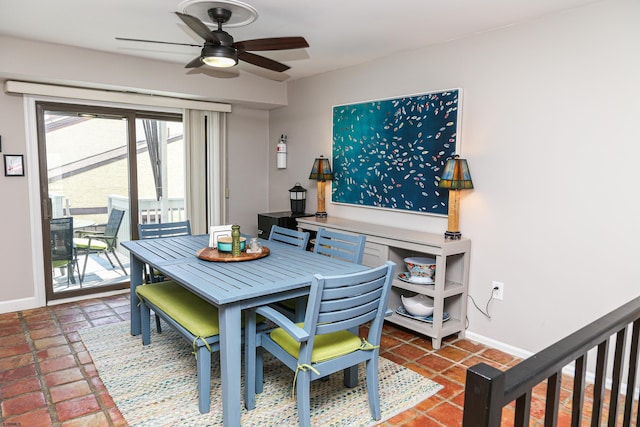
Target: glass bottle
{"type": "Point", "coordinates": [235, 240]}
{"type": "Point", "coordinates": [255, 245]}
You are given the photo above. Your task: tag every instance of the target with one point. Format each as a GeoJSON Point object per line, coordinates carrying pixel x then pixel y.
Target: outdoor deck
{"type": "Point", "coordinates": [98, 273]}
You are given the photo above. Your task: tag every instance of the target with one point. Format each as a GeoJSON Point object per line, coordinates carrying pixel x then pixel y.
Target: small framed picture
{"type": "Point", "coordinates": [13, 165]}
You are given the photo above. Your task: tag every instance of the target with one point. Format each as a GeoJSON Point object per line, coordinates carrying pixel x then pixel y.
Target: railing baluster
{"type": "Point", "coordinates": [579, 380]}
{"type": "Point", "coordinates": [523, 410]}
{"type": "Point", "coordinates": [599, 386]}
{"type": "Point", "coordinates": [631, 377]}
{"type": "Point", "coordinates": [553, 400]}
{"type": "Point", "coordinates": [618, 366]}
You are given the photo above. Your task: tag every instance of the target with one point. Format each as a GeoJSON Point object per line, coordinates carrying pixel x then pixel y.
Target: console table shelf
{"type": "Point", "coordinates": [450, 287]}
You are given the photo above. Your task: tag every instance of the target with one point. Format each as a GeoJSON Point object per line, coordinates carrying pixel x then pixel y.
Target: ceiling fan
{"type": "Point", "coordinates": [219, 49]}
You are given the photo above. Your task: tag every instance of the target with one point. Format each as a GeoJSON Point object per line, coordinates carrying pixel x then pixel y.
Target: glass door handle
{"type": "Point", "coordinates": [48, 209]}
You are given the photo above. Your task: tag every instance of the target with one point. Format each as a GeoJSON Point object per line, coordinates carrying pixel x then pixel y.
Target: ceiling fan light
{"type": "Point", "coordinates": [219, 56]}
{"type": "Point", "coordinates": [219, 62]}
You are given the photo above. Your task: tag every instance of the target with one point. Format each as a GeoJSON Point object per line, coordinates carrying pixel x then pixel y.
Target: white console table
{"type": "Point", "coordinates": [449, 289]}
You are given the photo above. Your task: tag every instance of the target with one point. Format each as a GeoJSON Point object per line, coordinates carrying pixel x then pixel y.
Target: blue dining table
{"type": "Point", "coordinates": [231, 286]}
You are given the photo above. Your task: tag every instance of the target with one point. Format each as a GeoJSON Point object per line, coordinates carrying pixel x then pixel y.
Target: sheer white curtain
{"type": "Point", "coordinates": [206, 159]}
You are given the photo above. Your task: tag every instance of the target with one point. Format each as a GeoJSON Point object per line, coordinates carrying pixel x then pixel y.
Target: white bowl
{"type": "Point", "coordinates": [420, 280]}
{"type": "Point", "coordinates": [422, 270]}
{"type": "Point", "coordinates": [419, 305]}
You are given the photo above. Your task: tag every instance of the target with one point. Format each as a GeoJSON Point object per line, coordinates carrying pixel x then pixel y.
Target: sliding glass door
{"type": "Point", "coordinates": [99, 168]}
{"type": "Point", "coordinates": [160, 164]}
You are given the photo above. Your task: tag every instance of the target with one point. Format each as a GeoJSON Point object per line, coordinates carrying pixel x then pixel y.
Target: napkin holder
{"type": "Point", "coordinates": [217, 231]}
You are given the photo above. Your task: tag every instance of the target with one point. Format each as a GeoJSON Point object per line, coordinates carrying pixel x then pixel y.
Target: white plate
{"type": "Point", "coordinates": [407, 277]}
{"type": "Point", "coordinates": [429, 319]}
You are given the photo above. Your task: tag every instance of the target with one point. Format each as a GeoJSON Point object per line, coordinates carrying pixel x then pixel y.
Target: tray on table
{"type": "Point", "coordinates": [212, 254]}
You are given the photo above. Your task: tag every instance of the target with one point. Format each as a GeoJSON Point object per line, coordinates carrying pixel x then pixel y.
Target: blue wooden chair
{"type": "Point", "coordinates": [167, 229]}
{"type": "Point", "coordinates": [299, 239]}
{"type": "Point", "coordinates": [348, 247]}
{"type": "Point", "coordinates": [328, 339]}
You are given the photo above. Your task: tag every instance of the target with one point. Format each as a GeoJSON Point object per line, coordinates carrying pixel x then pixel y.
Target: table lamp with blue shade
{"type": "Point", "coordinates": [455, 177]}
{"type": "Point", "coordinates": [321, 172]}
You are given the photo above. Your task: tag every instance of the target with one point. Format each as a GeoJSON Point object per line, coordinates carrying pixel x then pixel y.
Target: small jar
{"type": "Point", "coordinates": [235, 240]}
{"type": "Point", "coordinates": [255, 245]}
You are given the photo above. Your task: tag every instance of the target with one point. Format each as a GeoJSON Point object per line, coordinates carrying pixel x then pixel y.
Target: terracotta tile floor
{"type": "Point", "coordinates": [47, 377]}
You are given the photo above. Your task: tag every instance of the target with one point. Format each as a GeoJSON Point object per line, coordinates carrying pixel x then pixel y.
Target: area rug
{"type": "Point", "coordinates": [155, 385]}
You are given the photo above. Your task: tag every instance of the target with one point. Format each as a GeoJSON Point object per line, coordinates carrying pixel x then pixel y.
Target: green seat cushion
{"type": "Point", "coordinates": [60, 263]}
{"type": "Point", "coordinates": [290, 304]}
{"type": "Point", "coordinates": [96, 245]}
{"type": "Point", "coordinates": [189, 310]}
{"type": "Point", "coordinates": [325, 347]}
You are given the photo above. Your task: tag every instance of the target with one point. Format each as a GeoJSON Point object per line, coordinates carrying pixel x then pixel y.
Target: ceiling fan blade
{"type": "Point", "coordinates": [156, 41]}
{"type": "Point", "coordinates": [273, 43]}
{"type": "Point", "coordinates": [195, 63]}
{"type": "Point", "coordinates": [198, 27]}
{"type": "Point", "coordinates": [261, 61]}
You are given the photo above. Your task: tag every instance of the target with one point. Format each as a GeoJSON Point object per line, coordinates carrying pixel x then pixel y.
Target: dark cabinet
{"type": "Point", "coordinates": [283, 219]}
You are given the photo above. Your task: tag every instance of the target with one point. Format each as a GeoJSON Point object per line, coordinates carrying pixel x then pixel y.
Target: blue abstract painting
{"type": "Point", "coordinates": [389, 153]}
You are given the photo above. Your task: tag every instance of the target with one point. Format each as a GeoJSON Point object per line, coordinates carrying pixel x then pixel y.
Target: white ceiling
{"type": "Point", "coordinates": [340, 33]}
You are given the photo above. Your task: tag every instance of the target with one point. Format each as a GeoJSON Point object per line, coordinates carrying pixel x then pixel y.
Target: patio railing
{"type": "Point", "coordinates": [150, 211]}
{"type": "Point", "coordinates": [488, 390]}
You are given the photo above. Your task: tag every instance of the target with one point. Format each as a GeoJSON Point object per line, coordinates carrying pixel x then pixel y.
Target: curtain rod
{"type": "Point", "coordinates": [28, 88]}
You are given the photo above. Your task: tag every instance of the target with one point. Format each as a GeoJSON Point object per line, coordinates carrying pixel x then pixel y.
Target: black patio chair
{"type": "Point", "coordinates": [101, 242]}
{"type": "Point", "coordinates": [63, 254]}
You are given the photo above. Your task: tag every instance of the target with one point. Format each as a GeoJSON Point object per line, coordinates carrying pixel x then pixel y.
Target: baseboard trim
{"type": "Point", "coordinates": [31, 303]}
{"type": "Point", "coordinates": [498, 345]}
{"type": "Point", "coordinates": [91, 296]}
{"type": "Point", "coordinates": [18, 305]}
{"type": "Point", "coordinates": [523, 354]}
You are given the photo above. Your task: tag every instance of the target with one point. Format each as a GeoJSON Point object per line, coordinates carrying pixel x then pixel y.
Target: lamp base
{"type": "Point", "coordinates": [452, 235]}
{"type": "Point", "coordinates": [321, 214]}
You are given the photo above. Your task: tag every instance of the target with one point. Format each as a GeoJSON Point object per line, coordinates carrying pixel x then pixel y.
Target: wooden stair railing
{"type": "Point", "coordinates": [488, 390]}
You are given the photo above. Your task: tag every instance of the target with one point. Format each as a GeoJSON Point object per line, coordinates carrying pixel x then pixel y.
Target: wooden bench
{"type": "Point", "coordinates": [194, 318]}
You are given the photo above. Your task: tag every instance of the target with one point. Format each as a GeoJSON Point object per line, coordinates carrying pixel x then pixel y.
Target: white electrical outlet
{"type": "Point", "coordinates": [498, 290]}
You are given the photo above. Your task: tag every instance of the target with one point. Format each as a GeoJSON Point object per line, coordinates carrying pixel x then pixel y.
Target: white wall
{"type": "Point", "coordinates": [20, 259]}
{"type": "Point", "coordinates": [66, 65]}
{"type": "Point", "coordinates": [15, 228]}
{"type": "Point", "coordinates": [549, 127]}
{"type": "Point", "coordinates": [247, 149]}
